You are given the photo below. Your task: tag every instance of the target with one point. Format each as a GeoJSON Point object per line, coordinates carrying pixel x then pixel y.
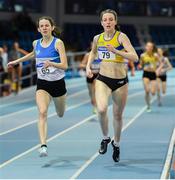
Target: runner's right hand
{"type": "Point", "coordinates": [89, 72]}
{"type": "Point", "coordinates": [11, 64]}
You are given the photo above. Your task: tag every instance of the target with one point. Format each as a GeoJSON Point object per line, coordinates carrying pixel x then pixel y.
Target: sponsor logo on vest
{"type": "Point", "coordinates": [37, 52]}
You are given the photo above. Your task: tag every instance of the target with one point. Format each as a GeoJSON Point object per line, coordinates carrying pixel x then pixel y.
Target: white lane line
{"type": "Point", "coordinates": [17, 112]}
{"type": "Point", "coordinates": [30, 99]}
{"type": "Point", "coordinates": [135, 94]}
{"type": "Point", "coordinates": [76, 85]}
{"type": "Point", "coordinates": [18, 102]}
{"type": "Point", "coordinates": [36, 120]}
{"type": "Point", "coordinates": [167, 165]}
{"type": "Point", "coordinates": [88, 162]}
{"type": "Point", "coordinates": [50, 139]}
{"type": "Point", "coordinates": [53, 114]}
{"type": "Point", "coordinates": [77, 93]}
{"type": "Point", "coordinates": [33, 107]}
{"type": "Point", "coordinates": [57, 135]}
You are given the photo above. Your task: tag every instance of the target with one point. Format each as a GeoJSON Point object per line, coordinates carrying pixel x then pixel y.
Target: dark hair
{"type": "Point", "coordinates": [112, 12]}
{"type": "Point", "coordinates": [56, 32]}
{"type": "Point", "coordinates": [166, 52]}
{"type": "Point", "coordinates": [108, 11]}
{"type": "Point", "coordinates": [154, 46]}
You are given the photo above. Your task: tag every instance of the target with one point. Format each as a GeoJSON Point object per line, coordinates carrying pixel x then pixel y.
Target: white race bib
{"type": "Point", "coordinates": [149, 65]}
{"type": "Point", "coordinates": [106, 55]}
{"type": "Point", "coordinates": [47, 70]}
{"type": "Point", "coordinates": [44, 70]}
{"type": "Point", "coordinates": [51, 69]}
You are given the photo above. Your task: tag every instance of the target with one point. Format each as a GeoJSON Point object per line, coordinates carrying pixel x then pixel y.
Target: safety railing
{"type": "Point", "coordinates": [29, 71]}
{"type": "Point", "coordinates": [74, 58]}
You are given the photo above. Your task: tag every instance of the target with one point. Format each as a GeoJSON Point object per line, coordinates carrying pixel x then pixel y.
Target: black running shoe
{"type": "Point", "coordinates": [104, 145]}
{"type": "Point", "coordinates": [116, 152]}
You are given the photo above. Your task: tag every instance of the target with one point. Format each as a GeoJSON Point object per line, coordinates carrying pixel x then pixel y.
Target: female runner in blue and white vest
{"type": "Point", "coordinates": [51, 61]}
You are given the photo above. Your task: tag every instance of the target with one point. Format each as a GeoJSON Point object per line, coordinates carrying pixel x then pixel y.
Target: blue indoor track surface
{"type": "Point", "coordinates": [73, 140]}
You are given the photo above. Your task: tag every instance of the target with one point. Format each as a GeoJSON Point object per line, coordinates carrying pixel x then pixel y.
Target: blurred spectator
{"type": "Point", "coordinates": [6, 90]}
{"type": "Point", "coordinates": [1, 61]}
{"type": "Point", "coordinates": [160, 8]}
{"type": "Point", "coordinates": [16, 72]}
{"type": "Point", "coordinates": [23, 22]}
{"type": "Point", "coordinates": [5, 81]}
{"type": "Point", "coordinates": [2, 74]}
{"type": "Point", "coordinates": [5, 57]}
{"type": "Point", "coordinates": [1, 66]}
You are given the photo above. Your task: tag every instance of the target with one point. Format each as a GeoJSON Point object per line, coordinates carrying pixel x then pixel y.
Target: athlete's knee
{"type": "Point", "coordinates": [42, 113]}
{"type": "Point", "coordinates": [147, 92]}
{"type": "Point", "coordinates": [158, 90]}
{"type": "Point", "coordinates": [117, 116]}
{"type": "Point", "coordinates": [164, 91]}
{"type": "Point", "coordinates": [42, 116]}
{"type": "Point", "coordinates": [92, 102]}
{"type": "Point", "coordinates": [102, 109]}
{"type": "Point", "coordinates": [60, 114]}
{"type": "Point", "coordinates": [153, 93]}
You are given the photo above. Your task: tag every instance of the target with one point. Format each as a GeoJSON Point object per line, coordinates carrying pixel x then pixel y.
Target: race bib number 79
{"type": "Point", "coordinates": [106, 55]}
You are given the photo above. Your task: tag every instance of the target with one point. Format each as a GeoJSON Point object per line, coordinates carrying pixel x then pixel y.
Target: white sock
{"type": "Point", "coordinates": [105, 137]}
{"type": "Point", "coordinates": [116, 144]}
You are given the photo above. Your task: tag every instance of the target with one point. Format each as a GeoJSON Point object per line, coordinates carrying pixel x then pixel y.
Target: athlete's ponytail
{"type": "Point", "coordinates": [117, 27]}
{"type": "Point", "coordinates": [154, 47]}
{"type": "Point", "coordinates": [56, 32]}
{"type": "Point", "coordinates": [165, 52]}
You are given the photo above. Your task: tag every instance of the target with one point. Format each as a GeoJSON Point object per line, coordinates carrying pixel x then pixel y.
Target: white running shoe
{"type": "Point", "coordinates": [148, 109]}
{"type": "Point", "coordinates": [94, 110]}
{"type": "Point", "coordinates": [43, 151]}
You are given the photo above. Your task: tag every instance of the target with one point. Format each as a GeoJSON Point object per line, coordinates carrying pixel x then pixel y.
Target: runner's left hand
{"type": "Point", "coordinates": [111, 48]}
{"type": "Point", "coordinates": [47, 63]}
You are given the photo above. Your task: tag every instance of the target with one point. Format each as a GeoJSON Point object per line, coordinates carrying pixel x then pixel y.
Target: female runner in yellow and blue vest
{"type": "Point", "coordinates": [112, 47]}
{"type": "Point", "coordinates": [149, 61]}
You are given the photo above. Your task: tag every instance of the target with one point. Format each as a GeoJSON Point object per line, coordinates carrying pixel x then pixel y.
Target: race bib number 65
{"type": "Point", "coordinates": [47, 70]}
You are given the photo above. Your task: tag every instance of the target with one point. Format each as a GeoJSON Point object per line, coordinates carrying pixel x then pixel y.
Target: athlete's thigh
{"type": "Point", "coordinates": [164, 86]}
{"type": "Point", "coordinates": [42, 99]}
{"type": "Point", "coordinates": [159, 82]}
{"type": "Point", "coordinates": [153, 86]}
{"type": "Point", "coordinates": [14, 71]}
{"type": "Point", "coordinates": [119, 97]}
{"type": "Point", "coordinates": [102, 93]}
{"type": "Point", "coordinates": [90, 88]}
{"type": "Point", "coordinates": [93, 88]}
{"type": "Point", "coordinates": [60, 103]}
{"type": "Point", "coordinates": [19, 70]}
{"type": "Point", "coordinates": [146, 83]}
